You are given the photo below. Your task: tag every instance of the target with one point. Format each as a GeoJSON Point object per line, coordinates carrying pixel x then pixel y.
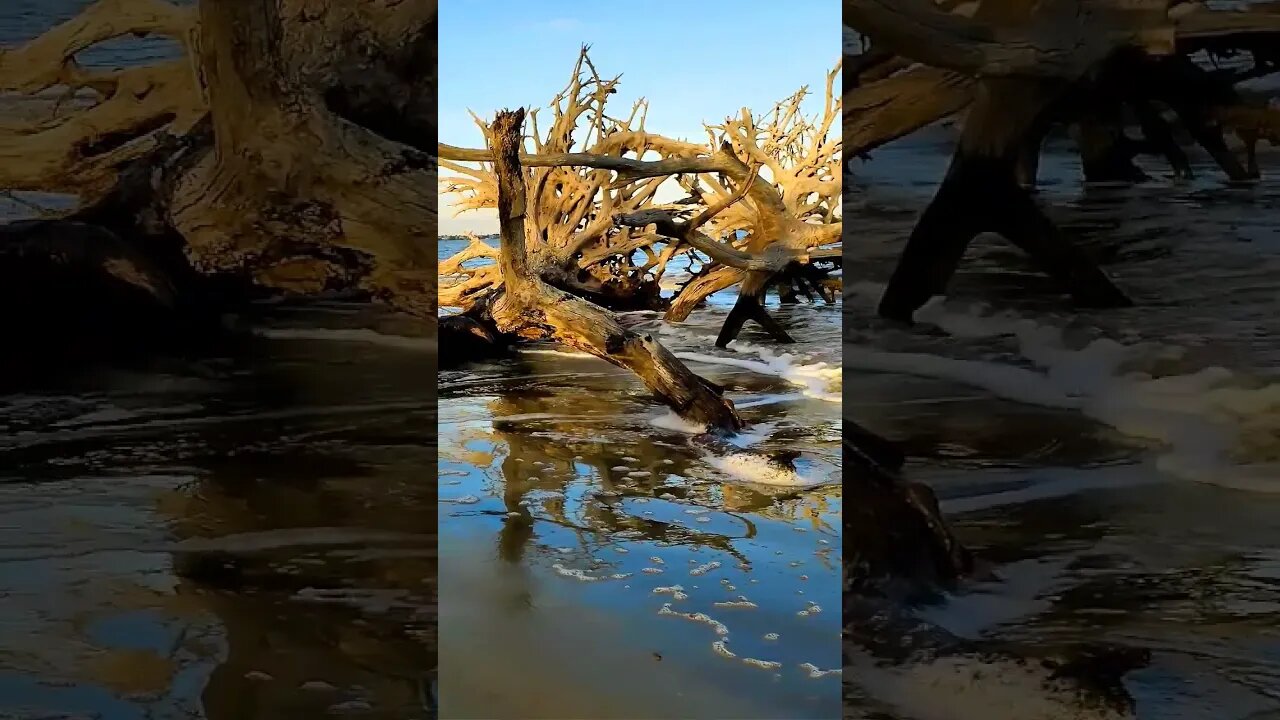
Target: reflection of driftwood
{"type": "Point", "coordinates": [1018, 67]}
{"type": "Point", "coordinates": [551, 457]}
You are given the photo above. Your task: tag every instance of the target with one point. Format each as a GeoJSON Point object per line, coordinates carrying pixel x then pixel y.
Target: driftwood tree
{"type": "Point", "coordinates": [530, 306]}
{"type": "Point", "coordinates": [285, 146]}
{"type": "Point", "coordinates": [1017, 68]}
{"type": "Point", "coordinates": [762, 206]}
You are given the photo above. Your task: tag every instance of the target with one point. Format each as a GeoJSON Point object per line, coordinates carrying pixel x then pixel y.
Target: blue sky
{"type": "Point", "coordinates": [694, 61]}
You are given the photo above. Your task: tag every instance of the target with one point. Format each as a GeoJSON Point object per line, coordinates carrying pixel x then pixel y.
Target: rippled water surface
{"type": "Point", "coordinates": [598, 562]}
{"type": "Point", "coordinates": [249, 536]}
{"type": "Point", "coordinates": [1122, 468]}
{"type": "Point", "coordinates": [245, 535]}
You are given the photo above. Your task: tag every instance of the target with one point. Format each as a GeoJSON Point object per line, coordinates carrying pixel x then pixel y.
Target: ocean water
{"type": "Point", "coordinates": [244, 535]}
{"type": "Point", "coordinates": [597, 563]}
{"type": "Point", "coordinates": [1121, 468]}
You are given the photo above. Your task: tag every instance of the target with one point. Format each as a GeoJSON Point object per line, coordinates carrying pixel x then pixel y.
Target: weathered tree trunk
{"type": "Point", "coordinates": [311, 183]}
{"type": "Point", "coordinates": [312, 170]}
{"type": "Point", "coordinates": [981, 193]}
{"type": "Point", "coordinates": [895, 539]}
{"type": "Point", "coordinates": [528, 306]}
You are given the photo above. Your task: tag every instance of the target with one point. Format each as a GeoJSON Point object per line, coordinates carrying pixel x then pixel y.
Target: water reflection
{"type": "Point", "coordinates": [235, 538]}
{"type": "Point", "coordinates": [567, 514]}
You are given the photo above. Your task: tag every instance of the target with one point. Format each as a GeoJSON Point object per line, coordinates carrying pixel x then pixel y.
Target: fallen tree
{"type": "Point", "coordinates": [762, 207]}
{"type": "Point", "coordinates": [529, 306]}
{"type": "Point", "coordinates": [1017, 69]}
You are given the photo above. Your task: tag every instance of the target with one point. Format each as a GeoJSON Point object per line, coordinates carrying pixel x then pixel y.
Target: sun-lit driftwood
{"type": "Point", "coordinates": [110, 117]}
{"type": "Point", "coordinates": [1016, 68]}
{"type": "Point", "coordinates": [300, 163]}
{"type": "Point", "coordinates": [530, 306]}
{"type": "Point", "coordinates": [762, 208]}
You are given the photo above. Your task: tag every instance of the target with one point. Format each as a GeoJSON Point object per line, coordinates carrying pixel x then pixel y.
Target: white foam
{"type": "Point", "coordinates": [721, 648]}
{"type": "Point", "coordinates": [574, 573]}
{"type": "Point", "coordinates": [817, 380]}
{"type": "Point", "coordinates": [669, 420]}
{"type": "Point", "coordinates": [753, 436]}
{"type": "Point", "coordinates": [705, 568]}
{"type": "Point", "coordinates": [720, 628]}
{"type": "Point", "coordinates": [753, 468]}
{"type": "Point", "coordinates": [746, 604]}
{"type": "Point", "coordinates": [1214, 425]}
{"type": "Point", "coordinates": [815, 672]}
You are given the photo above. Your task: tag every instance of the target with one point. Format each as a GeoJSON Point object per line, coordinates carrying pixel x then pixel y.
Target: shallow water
{"type": "Point", "coordinates": [580, 529]}
{"type": "Point", "coordinates": [1121, 467]}
{"type": "Point", "coordinates": [249, 536]}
